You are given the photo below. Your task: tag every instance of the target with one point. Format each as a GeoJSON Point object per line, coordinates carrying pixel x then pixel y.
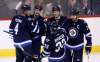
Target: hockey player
{"type": "Point", "coordinates": [20, 29]}
{"type": "Point", "coordinates": [56, 17]}
{"type": "Point", "coordinates": [38, 30]}
{"type": "Point", "coordinates": [54, 44]}
{"type": "Point", "coordinates": [76, 30]}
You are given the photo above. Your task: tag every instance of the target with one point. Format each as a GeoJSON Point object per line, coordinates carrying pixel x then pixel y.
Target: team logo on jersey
{"type": "Point", "coordinates": [73, 32]}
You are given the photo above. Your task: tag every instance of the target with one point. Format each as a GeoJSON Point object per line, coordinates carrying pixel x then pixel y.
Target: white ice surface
{"type": "Point", "coordinates": [93, 58]}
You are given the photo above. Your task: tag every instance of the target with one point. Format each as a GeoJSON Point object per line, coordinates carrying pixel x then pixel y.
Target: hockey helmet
{"type": "Point", "coordinates": [25, 7]}
{"type": "Point", "coordinates": [55, 8]}
{"type": "Point", "coordinates": [75, 12]}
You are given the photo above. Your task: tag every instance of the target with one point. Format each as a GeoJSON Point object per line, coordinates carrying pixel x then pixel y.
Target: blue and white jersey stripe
{"type": "Point", "coordinates": [36, 28]}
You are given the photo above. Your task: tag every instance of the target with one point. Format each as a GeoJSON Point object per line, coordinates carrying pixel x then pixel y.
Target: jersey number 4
{"type": "Point", "coordinates": [16, 28]}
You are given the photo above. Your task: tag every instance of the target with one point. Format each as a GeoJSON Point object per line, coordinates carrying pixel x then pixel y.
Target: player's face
{"type": "Point", "coordinates": [37, 12]}
{"type": "Point", "coordinates": [56, 13]}
{"type": "Point", "coordinates": [28, 12]}
{"type": "Point", "coordinates": [74, 18]}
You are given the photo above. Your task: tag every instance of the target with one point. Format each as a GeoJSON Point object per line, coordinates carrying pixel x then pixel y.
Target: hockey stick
{"type": "Point", "coordinates": [72, 54]}
{"type": "Point", "coordinates": [18, 6]}
{"type": "Point", "coordinates": [88, 56]}
{"type": "Point", "coordinates": [26, 53]}
{"type": "Point", "coordinates": [7, 32]}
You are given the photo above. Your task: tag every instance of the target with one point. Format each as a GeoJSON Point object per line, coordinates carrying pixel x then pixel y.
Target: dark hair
{"type": "Point", "coordinates": [38, 7]}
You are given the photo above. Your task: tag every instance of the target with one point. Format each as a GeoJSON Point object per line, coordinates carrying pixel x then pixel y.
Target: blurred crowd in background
{"type": "Point", "coordinates": [86, 7]}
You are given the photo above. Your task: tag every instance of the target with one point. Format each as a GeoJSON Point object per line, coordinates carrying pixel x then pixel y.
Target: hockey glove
{"type": "Point", "coordinates": [88, 48]}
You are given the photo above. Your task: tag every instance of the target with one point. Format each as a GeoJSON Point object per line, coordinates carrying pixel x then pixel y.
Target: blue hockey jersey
{"type": "Point", "coordinates": [60, 21]}
{"type": "Point", "coordinates": [21, 29]}
{"type": "Point", "coordinates": [54, 45]}
{"type": "Point", "coordinates": [38, 26]}
{"type": "Point", "coordinates": [76, 32]}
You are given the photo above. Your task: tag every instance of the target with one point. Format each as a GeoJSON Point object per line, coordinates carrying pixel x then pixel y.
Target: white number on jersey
{"type": "Point", "coordinates": [60, 44]}
{"type": "Point", "coordinates": [16, 28]}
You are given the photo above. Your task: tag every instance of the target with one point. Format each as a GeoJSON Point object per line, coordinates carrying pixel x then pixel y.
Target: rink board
{"type": "Point", "coordinates": [11, 52]}
{"type": "Point", "coordinates": [6, 43]}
